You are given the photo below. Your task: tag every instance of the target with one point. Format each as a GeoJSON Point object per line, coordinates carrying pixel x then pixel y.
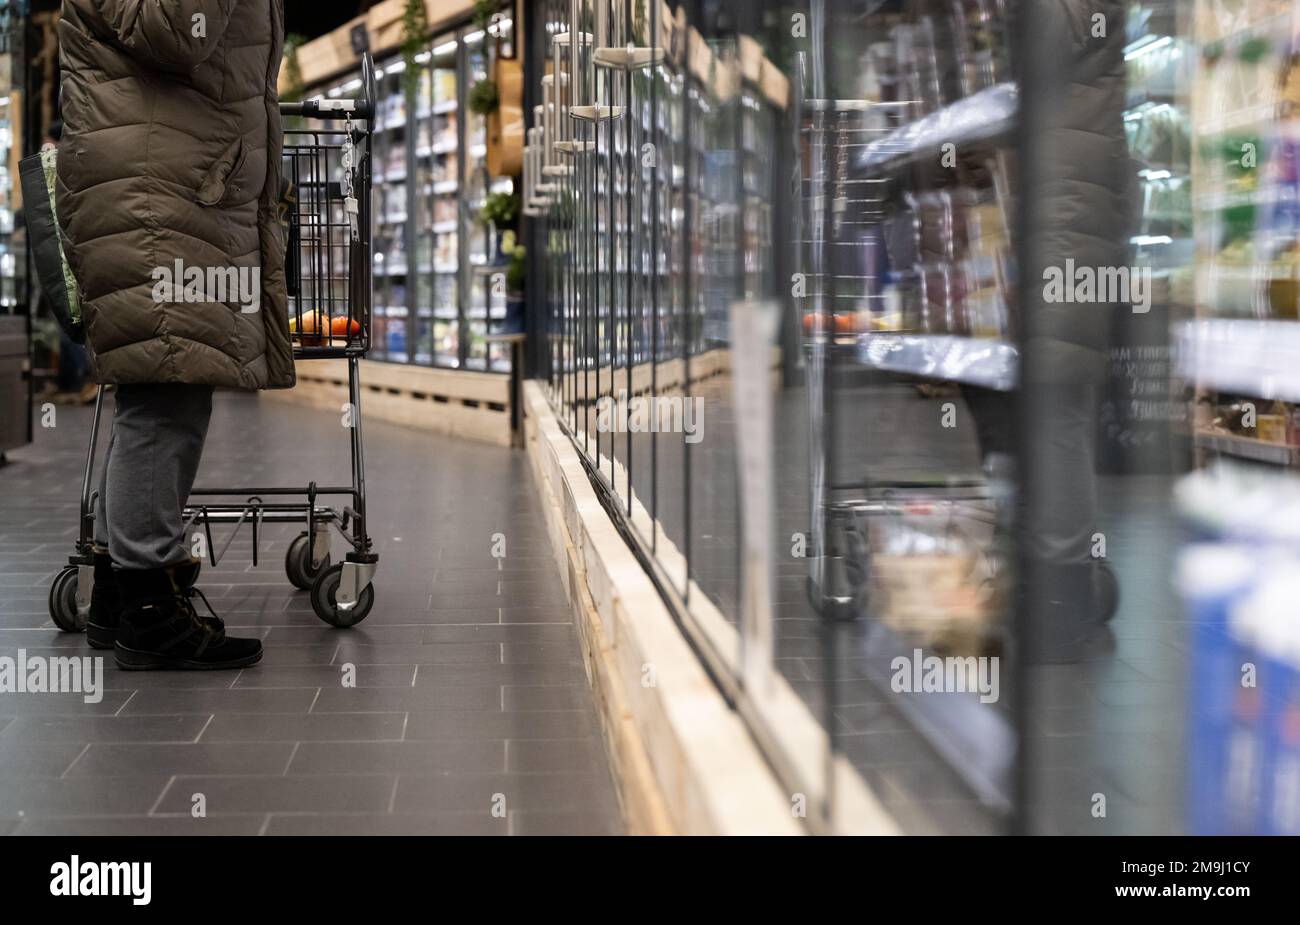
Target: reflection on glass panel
{"type": "Point", "coordinates": [437, 165]}
{"type": "Point", "coordinates": [715, 208]}
{"type": "Point", "coordinates": [391, 267]}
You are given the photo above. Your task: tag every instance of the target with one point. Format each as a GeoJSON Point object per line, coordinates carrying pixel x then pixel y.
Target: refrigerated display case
{"type": "Point", "coordinates": [431, 296]}
{"type": "Point", "coordinates": [15, 329]}
{"type": "Point", "coordinates": [391, 206]}
{"type": "Point", "coordinates": [486, 303]}
{"type": "Point", "coordinates": [12, 253]}
{"type": "Point", "coordinates": [437, 157]}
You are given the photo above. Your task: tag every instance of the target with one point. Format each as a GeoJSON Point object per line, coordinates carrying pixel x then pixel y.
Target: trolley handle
{"type": "Point", "coordinates": [329, 109]}
{"type": "Point", "coordinates": [361, 108]}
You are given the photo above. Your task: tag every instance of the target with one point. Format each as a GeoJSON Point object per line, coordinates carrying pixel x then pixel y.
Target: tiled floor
{"type": "Point", "coordinates": [471, 711]}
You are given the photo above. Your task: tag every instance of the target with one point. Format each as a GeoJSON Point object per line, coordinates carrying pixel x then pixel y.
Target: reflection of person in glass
{"type": "Point", "coordinates": [1077, 193]}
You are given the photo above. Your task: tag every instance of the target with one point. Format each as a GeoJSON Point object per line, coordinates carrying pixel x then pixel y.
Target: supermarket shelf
{"type": "Point", "coordinates": [993, 364]}
{"type": "Point", "coordinates": [981, 116]}
{"type": "Point", "coordinates": [1251, 357]}
{"type": "Point", "coordinates": [1247, 447]}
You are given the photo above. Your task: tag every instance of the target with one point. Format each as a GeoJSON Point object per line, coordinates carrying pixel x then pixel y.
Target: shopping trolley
{"type": "Point", "coordinates": [326, 208]}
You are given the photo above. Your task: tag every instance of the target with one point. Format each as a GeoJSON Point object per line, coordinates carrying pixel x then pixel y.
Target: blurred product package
{"type": "Point", "coordinates": [1241, 586]}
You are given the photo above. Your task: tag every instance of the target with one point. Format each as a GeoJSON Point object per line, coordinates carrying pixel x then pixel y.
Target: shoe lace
{"type": "Point", "coordinates": [211, 624]}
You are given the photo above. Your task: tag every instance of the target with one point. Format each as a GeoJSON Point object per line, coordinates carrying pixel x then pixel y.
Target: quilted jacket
{"type": "Point", "coordinates": [168, 181]}
{"type": "Point", "coordinates": [1080, 193]}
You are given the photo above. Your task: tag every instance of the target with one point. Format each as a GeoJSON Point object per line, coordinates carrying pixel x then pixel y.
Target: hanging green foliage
{"type": "Point", "coordinates": [499, 210]}
{"type": "Point", "coordinates": [517, 266]}
{"type": "Point", "coordinates": [484, 10]}
{"type": "Point", "coordinates": [415, 34]}
{"type": "Point", "coordinates": [484, 98]}
{"type": "Point", "coordinates": [294, 84]}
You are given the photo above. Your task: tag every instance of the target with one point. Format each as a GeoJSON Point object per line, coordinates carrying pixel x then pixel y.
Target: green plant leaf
{"type": "Point", "coordinates": [484, 97]}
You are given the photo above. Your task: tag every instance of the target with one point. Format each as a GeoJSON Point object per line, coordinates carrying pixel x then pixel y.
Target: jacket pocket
{"type": "Point", "coordinates": [213, 186]}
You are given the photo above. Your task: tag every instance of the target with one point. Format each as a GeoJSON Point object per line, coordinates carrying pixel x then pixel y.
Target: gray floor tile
{"type": "Point", "coordinates": [37, 759]}
{"type": "Point", "coordinates": [466, 756]}
{"type": "Point", "coordinates": [327, 676]}
{"type": "Point", "coordinates": [250, 824]}
{"type": "Point", "coordinates": [408, 699]}
{"type": "Point", "coordinates": [480, 823]}
{"type": "Point", "coordinates": [563, 792]}
{"type": "Point", "coordinates": [108, 760]}
{"type": "Point", "coordinates": [531, 756]}
{"type": "Point", "coordinates": [95, 796]}
{"type": "Point", "coordinates": [554, 633]}
{"type": "Point", "coordinates": [104, 728]}
{"type": "Point", "coordinates": [238, 700]}
{"type": "Point", "coordinates": [64, 704]}
{"type": "Point", "coordinates": [485, 724]}
{"type": "Point", "coordinates": [466, 653]}
{"type": "Point", "coordinates": [312, 727]}
{"type": "Point", "coordinates": [315, 794]}
{"type": "Point", "coordinates": [560, 823]}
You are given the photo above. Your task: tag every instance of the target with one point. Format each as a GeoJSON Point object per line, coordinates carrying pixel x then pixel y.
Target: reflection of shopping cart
{"type": "Point", "coordinates": [327, 271]}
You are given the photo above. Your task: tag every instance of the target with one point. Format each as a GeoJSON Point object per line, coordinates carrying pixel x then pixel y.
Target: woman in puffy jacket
{"type": "Point", "coordinates": [168, 177]}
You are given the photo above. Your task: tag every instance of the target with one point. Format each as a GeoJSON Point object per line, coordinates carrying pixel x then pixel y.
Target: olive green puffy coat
{"type": "Point", "coordinates": [171, 152]}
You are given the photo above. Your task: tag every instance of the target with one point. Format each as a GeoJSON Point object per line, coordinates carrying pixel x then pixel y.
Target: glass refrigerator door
{"type": "Point", "coordinates": [391, 266]}
{"type": "Point", "coordinates": [437, 175]}
{"type": "Point", "coordinates": [11, 256]}
{"type": "Point", "coordinates": [478, 249]}
{"type": "Point", "coordinates": [486, 305]}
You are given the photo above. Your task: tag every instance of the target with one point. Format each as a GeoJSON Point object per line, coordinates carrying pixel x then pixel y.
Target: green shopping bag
{"type": "Point", "coordinates": [57, 282]}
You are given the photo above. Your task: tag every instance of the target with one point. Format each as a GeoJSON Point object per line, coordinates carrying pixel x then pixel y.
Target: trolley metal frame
{"type": "Point", "coordinates": [328, 278]}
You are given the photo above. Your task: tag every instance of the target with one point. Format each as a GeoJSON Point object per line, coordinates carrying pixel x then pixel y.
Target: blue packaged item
{"type": "Point", "coordinates": [1220, 726]}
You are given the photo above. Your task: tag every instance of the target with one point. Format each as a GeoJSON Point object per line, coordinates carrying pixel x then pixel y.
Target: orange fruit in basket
{"type": "Point", "coordinates": [843, 322]}
{"type": "Point", "coordinates": [315, 328]}
{"type": "Point", "coordinates": [343, 326]}
{"type": "Point", "coordinates": [310, 331]}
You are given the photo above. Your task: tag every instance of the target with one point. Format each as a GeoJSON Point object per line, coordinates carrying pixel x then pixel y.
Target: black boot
{"type": "Point", "coordinates": [1063, 609]}
{"type": "Point", "coordinates": [106, 600]}
{"type": "Point", "coordinates": [161, 629]}
{"type": "Point", "coordinates": [105, 605]}
{"type": "Point", "coordinates": [1105, 591]}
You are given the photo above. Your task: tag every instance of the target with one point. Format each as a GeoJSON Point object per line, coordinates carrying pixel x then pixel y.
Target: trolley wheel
{"type": "Point", "coordinates": [63, 602]}
{"type": "Point", "coordinates": [326, 606]}
{"type": "Point", "coordinates": [297, 563]}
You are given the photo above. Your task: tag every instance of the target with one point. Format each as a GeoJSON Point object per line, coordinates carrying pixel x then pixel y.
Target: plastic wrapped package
{"type": "Point", "coordinates": [934, 576]}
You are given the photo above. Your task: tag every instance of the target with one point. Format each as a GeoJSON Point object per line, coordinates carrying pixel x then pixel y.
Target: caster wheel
{"type": "Point", "coordinates": [63, 602]}
{"type": "Point", "coordinates": [323, 599]}
{"type": "Point", "coordinates": [297, 563]}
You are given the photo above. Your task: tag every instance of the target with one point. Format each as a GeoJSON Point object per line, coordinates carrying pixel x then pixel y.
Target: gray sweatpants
{"type": "Point", "coordinates": [149, 469]}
